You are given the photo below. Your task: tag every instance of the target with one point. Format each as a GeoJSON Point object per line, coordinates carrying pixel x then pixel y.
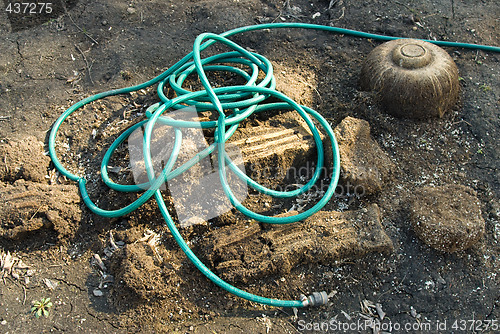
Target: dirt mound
{"type": "Point", "coordinates": [23, 160]}
{"type": "Point", "coordinates": [29, 208]}
{"type": "Point", "coordinates": [364, 165]}
{"type": "Point", "coordinates": [142, 277]}
{"type": "Point", "coordinates": [447, 218]}
{"type": "Point", "coordinates": [278, 148]}
{"type": "Point", "coordinates": [243, 252]}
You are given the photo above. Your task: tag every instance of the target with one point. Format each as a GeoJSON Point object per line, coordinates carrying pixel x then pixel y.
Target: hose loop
{"type": "Point", "coordinates": [233, 104]}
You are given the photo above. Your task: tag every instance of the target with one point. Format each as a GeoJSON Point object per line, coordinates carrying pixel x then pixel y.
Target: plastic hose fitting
{"type": "Point", "coordinates": [316, 299]}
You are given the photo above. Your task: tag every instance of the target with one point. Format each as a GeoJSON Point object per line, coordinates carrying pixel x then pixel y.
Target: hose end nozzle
{"type": "Point", "coordinates": [316, 299]}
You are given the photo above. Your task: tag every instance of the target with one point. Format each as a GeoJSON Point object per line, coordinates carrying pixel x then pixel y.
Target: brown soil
{"type": "Point", "coordinates": [430, 220]}
{"type": "Point", "coordinates": [365, 249]}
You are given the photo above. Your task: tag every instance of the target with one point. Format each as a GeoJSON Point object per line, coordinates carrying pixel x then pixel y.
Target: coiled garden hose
{"type": "Point", "coordinates": [242, 101]}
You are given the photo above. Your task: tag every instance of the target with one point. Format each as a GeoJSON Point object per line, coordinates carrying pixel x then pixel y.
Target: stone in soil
{"type": "Point", "coordinates": [447, 218]}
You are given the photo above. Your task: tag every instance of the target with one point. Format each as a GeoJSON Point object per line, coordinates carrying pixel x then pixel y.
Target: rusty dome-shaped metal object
{"type": "Point", "coordinates": [412, 78]}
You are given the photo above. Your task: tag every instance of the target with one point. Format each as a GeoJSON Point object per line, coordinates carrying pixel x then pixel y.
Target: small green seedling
{"type": "Point", "coordinates": [41, 307]}
{"type": "Point", "coordinates": [485, 87]}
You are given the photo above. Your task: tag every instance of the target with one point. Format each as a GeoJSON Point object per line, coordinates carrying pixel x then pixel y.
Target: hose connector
{"type": "Point", "coordinates": [316, 299]}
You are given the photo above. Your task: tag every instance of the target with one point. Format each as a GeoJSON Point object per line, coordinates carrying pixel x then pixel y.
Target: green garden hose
{"type": "Point", "coordinates": [242, 101]}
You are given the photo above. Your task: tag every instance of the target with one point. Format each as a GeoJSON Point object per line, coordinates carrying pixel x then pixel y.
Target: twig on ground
{"type": "Point", "coordinates": [37, 210]}
{"type": "Point", "coordinates": [336, 3]}
{"type": "Point", "coordinates": [86, 63]}
{"type": "Point", "coordinates": [461, 121]}
{"type": "Point", "coordinates": [77, 26]}
{"type": "Point", "coordinates": [24, 290]}
{"type": "Point", "coordinates": [314, 88]}
{"type": "Point", "coordinates": [341, 15]}
{"type": "Point", "coordinates": [332, 3]}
